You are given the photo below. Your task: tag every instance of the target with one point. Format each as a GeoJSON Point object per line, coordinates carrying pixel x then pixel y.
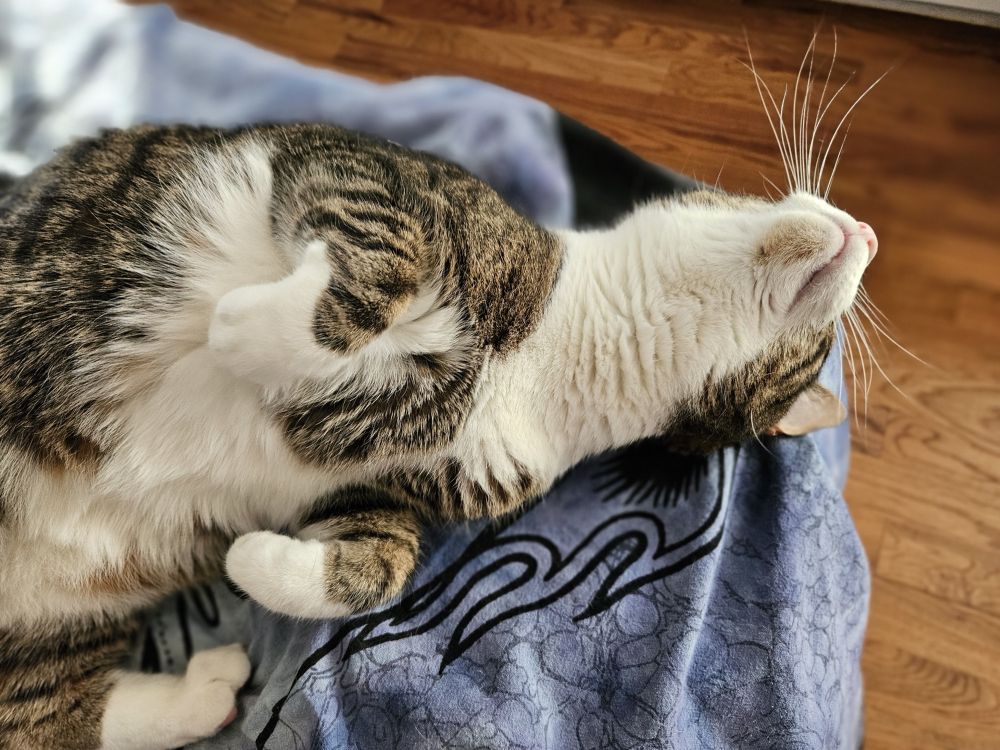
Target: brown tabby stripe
{"type": "Point", "coordinates": [54, 682]}
{"type": "Point", "coordinates": [448, 492]}
{"type": "Point", "coordinates": [369, 555]}
{"type": "Point", "coordinates": [445, 492]}
{"type": "Point", "coordinates": [357, 498]}
{"type": "Point", "coordinates": [90, 202]}
{"type": "Point", "coordinates": [372, 531]}
{"type": "Point", "coordinates": [425, 413]}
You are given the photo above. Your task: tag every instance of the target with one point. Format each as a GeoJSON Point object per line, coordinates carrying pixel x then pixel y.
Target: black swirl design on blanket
{"type": "Point", "coordinates": [618, 556]}
{"type": "Point", "coordinates": [649, 472]}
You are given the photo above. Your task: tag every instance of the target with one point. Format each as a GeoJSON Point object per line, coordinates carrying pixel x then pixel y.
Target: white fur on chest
{"type": "Point", "coordinates": [202, 444]}
{"type": "Point", "coordinates": [631, 330]}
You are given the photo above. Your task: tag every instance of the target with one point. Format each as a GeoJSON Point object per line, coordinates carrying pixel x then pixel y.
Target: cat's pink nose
{"type": "Point", "coordinates": [868, 234]}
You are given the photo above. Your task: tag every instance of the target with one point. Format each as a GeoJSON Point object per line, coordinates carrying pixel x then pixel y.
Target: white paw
{"type": "Point", "coordinates": [264, 332]}
{"type": "Point", "coordinates": [208, 691]}
{"type": "Point", "coordinates": [155, 712]}
{"type": "Point", "coordinates": [228, 664]}
{"type": "Point", "coordinates": [285, 575]}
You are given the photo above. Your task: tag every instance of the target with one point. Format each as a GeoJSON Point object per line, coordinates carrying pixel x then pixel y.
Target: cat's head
{"type": "Point", "coordinates": [772, 277]}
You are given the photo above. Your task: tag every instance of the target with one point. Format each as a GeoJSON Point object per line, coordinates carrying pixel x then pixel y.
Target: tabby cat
{"type": "Point", "coordinates": [274, 351]}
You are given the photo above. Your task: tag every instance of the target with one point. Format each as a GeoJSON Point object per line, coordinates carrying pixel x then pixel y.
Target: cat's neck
{"type": "Point", "coordinates": [613, 354]}
{"type": "Point", "coordinates": [616, 355]}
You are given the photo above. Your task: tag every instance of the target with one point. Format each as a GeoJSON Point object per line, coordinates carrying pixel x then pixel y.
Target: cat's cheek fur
{"type": "Point", "coordinates": [285, 575]}
{"type": "Point", "coordinates": [149, 712]}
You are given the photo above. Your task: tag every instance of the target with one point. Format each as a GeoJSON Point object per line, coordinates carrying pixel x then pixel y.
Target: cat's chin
{"type": "Point", "coordinates": [828, 292]}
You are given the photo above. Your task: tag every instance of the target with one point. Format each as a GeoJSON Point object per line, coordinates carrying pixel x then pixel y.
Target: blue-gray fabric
{"type": "Point", "coordinates": [649, 601]}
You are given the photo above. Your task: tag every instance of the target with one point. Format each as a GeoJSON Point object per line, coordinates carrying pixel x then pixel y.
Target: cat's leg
{"type": "Point", "coordinates": [55, 679]}
{"type": "Point", "coordinates": [357, 557]}
{"type": "Point", "coordinates": [359, 546]}
{"type": "Point", "coordinates": [359, 268]}
{"type": "Point", "coordinates": [61, 687]}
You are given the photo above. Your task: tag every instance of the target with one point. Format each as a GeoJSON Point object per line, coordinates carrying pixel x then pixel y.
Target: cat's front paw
{"type": "Point", "coordinates": [285, 575]}
{"type": "Point", "coordinates": [210, 685]}
{"type": "Point", "coordinates": [166, 710]}
{"type": "Point", "coordinates": [249, 335]}
{"type": "Point", "coordinates": [264, 332]}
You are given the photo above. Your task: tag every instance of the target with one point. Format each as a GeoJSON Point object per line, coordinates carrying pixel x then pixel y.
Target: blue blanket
{"type": "Point", "coordinates": [649, 601]}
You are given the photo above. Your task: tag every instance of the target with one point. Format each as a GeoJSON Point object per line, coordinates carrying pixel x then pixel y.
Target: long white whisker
{"type": "Point", "coordinates": [803, 130]}
{"type": "Point", "coordinates": [870, 303]}
{"type": "Point", "coordinates": [865, 380]}
{"type": "Point", "coordinates": [874, 337]}
{"type": "Point", "coordinates": [840, 381]}
{"type": "Point", "coordinates": [852, 327]}
{"type": "Point", "coordinates": [850, 109]}
{"type": "Point", "coordinates": [788, 143]}
{"type": "Point", "coordinates": [770, 121]}
{"type": "Point", "coordinates": [784, 144]}
{"type": "Point", "coordinates": [854, 374]}
{"type": "Point", "coordinates": [719, 175]}
{"type": "Point", "coordinates": [866, 339]}
{"type": "Point", "coordinates": [753, 431]}
{"type": "Point", "coordinates": [888, 337]}
{"type": "Point", "coordinates": [814, 186]}
{"type": "Point", "coordinates": [836, 94]}
{"type": "Point", "coordinates": [796, 141]}
{"type": "Point", "coordinates": [885, 375]}
{"type": "Point", "coordinates": [836, 162]}
{"type": "Point", "coordinates": [769, 180]}
{"type": "Point", "coordinates": [865, 304]}
{"type": "Point", "coordinates": [863, 333]}
{"type": "Point", "coordinates": [863, 339]}
{"type": "Point", "coordinates": [866, 369]}
{"type": "Point", "coordinates": [761, 87]}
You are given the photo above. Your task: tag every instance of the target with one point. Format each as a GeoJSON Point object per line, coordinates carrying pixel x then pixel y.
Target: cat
{"type": "Point", "coordinates": [272, 352]}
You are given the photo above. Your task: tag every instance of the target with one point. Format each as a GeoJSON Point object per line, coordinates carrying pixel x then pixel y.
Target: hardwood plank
{"type": "Point", "coordinates": [922, 703]}
{"type": "Point", "coordinates": [928, 679]}
{"type": "Point", "coordinates": [942, 567]}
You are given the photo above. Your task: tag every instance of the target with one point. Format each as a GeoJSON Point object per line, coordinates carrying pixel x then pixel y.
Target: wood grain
{"type": "Point", "coordinates": [922, 166]}
{"type": "Point", "coordinates": [940, 566]}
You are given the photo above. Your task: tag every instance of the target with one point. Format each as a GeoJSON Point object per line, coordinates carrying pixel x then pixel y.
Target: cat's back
{"type": "Point", "coordinates": [92, 186]}
{"type": "Point", "coordinates": [100, 198]}
{"type": "Point", "coordinates": [72, 254]}
{"type": "Point", "coordinates": [72, 231]}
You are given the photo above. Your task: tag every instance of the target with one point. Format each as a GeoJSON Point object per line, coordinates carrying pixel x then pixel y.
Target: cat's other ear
{"type": "Point", "coordinates": [813, 409]}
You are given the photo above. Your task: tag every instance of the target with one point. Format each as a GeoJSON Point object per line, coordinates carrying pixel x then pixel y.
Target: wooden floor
{"type": "Point", "coordinates": [922, 166]}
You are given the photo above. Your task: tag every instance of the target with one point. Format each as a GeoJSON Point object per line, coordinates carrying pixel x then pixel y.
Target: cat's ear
{"type": "Point", "coordinates": [813, 409]}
